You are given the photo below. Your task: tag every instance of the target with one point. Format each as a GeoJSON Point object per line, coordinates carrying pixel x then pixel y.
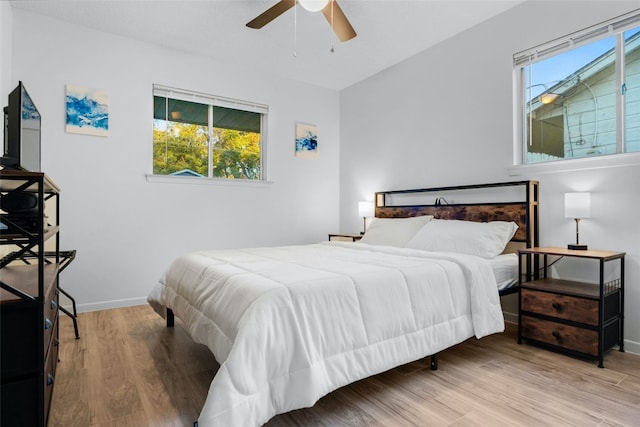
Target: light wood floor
{"type": "Point", "coordinates": [128, 369]}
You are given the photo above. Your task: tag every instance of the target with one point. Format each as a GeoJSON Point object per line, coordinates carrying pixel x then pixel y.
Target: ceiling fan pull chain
{"type": "Point", "coordinates": [331, 33]}
{"type": "Point", "coordinates": [295, 30]}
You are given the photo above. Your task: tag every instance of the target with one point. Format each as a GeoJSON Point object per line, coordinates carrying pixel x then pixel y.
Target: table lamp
{"type": "Point", "coordinates": [365, 210]}
{"type": "Point", "coordinates": [577, 206]}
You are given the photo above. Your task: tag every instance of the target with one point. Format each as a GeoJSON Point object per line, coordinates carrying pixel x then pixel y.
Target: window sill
{"type": "Point", "coordinates": [590, 163]}
{"type": "Point", "coordinates": [165, 179]}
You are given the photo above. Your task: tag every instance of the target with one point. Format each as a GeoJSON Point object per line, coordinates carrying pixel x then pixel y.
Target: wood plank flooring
{"type": "Point", "coordinates": [128, 369]}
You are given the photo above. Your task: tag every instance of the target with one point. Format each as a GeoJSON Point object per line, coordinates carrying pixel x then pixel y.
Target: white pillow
{"type": "Point", "coordinates": [484, 239]}
{"type": "Point", "coordinates": [393, 231]}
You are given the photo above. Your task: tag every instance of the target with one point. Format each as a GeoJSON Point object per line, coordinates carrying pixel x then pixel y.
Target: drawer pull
{"type": "Point", "coordinates": [53, 305]}
{"type": "Point", "coordinates": [47, 323]}
{"type": "Point", "coordinates": [556, 334]}
{"type": "Point", "coordinates": [557, 307]}
{"type": "Point", "coordinates": [49, 379]}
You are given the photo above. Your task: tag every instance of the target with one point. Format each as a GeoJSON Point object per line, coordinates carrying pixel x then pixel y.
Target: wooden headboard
{"type": "Point", "coordinates": [505, 201]}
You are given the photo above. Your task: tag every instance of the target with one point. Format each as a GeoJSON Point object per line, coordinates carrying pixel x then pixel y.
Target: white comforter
{"type": "Point", "coordinates": [290, 324]}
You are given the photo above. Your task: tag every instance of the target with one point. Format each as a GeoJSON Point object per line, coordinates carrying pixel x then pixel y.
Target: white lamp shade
{"type": "Point", "coordinates": [577, 205]}
{"type": "Point", "coordinates": [365, 209]}
{"type": "Point", "coordinates": [313, 5]}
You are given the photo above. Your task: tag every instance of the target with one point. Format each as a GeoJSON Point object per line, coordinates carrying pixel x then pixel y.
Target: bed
{"type": "Point", "coordinates": [290, 324]}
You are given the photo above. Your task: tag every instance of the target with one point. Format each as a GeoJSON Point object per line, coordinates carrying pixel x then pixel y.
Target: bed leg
{"type": "Point", "coordinates": [170, 318]}
{"type": "Point", "coordinates": [434, 362]}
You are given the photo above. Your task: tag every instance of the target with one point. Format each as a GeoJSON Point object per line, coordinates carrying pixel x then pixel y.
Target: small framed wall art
{"type": "Point", "coordinates": [87, 111]}
{"type": "Point", "coordinates": [306, 141]}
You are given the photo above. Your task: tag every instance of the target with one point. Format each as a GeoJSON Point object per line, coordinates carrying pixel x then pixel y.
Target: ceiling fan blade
{"type": "Point", "coordinates": [270, 14]}
{"type": "Point", "coordinates": [339, 22]}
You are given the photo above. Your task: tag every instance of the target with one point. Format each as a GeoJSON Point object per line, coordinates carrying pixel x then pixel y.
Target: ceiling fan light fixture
{"type": "Point", "coordinates": [330, 9]}
{"type": "Point", "coordinates": [313, 5]}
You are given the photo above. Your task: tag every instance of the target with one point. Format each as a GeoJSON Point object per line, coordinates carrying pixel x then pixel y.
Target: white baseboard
{"type": "Point", "coordinates": [632, 347]}
{"type": "Point", "coordinates": [510, 317]}
{"type": "Point", "coordinates": [107, 305]}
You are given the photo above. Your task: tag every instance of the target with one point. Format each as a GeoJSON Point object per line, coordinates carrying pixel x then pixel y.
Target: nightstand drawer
{"type": "Point", "coordinates": [565, 336]}
{"type": "Point", "coordinates": [50, 372]}
{"type": "Point", "coordinates": [565, 307]}
{"type": "Point", "coordinates": [50, 306]}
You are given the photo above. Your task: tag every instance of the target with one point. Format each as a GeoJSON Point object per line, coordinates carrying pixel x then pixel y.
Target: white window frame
{"type": "Point", "coordinates": [616, 26]}
{"type": "Point", "coordinates": [219, 101]}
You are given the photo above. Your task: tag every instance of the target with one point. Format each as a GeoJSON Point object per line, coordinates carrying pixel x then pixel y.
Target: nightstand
{"type": "Point", "coordinates": [345, 237]}
{"type": "Point", "coordinates": [579, 318]}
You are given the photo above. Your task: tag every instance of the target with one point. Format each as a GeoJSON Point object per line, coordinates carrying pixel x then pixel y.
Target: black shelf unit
{"type": "Point", "coordinates": [28, 298]}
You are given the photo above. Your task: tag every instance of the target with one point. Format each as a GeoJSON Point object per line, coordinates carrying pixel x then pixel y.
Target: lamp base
{"type": "Point", "coordinates": [577, 247]}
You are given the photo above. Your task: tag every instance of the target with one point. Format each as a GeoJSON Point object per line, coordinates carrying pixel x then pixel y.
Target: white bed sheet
{"type": "Point", "coordinates": [290, 324]}
{"type": "Point", "coordinates": [505, 268]}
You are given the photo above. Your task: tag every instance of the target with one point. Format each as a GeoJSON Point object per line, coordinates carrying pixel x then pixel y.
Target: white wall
{"type": "Point", "coordinates": [125, 229]}
{"type": "Point", "coordinates": [5, 52]}
{"type": "Point", "coordinates": [444, 117]}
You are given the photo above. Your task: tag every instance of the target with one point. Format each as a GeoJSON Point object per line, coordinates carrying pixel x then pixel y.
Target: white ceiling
{"type": "Point", "coordinates": [295, 45]}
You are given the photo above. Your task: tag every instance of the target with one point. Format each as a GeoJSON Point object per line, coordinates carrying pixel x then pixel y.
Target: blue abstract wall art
{"type": "Point", "coordinates": [87, 111]}
{"type": "Point", "coordinates": [306, 141]}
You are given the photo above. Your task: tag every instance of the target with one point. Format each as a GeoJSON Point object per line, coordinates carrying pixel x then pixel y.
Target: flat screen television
{"type": "Point", "coordinates": [21, 132]}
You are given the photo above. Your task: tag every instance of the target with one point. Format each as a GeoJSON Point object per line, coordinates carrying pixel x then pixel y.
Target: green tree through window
{"type": "Point", "coordinates": [236, 154]}
{"type": "Point", "coordinates": [201, 139]}
{"type": "Point", "coordinates": [179, 147]}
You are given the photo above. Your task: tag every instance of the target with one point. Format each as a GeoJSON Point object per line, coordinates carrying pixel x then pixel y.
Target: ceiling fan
{"type": "Point", "coordinates": [329, 8]}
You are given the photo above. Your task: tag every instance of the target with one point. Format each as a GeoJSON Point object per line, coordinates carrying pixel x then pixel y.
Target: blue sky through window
{"type": "Point", "coordinates": [555, 69]}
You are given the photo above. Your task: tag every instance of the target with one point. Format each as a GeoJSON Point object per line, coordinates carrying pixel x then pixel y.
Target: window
{"type": "Point", "coordinates": [199, 135]}
{"type": "Point", "coordinates": [579, 96]}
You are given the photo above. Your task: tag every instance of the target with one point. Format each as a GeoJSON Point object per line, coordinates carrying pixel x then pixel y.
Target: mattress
{"type": "Point", "coordinates": [505, 269]}
{"type": "Point", "coordinates": [291, 324]}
